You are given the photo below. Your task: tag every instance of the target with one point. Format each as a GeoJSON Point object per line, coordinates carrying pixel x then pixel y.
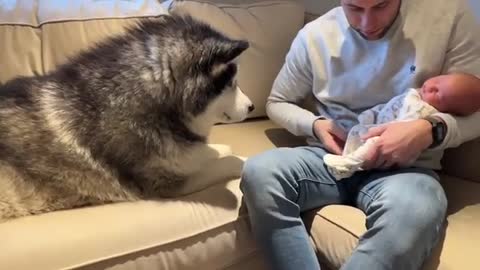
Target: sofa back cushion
{"type": "Point", "coordinates": [38, 35]}
{"type": "Point", "coordinates": [269, 26]}
{"type": "Point", "coordinates": [463, 161]}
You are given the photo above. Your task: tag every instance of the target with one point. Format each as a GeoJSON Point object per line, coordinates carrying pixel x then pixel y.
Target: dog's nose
{"type": "Point", "coordinates": [251, 108]}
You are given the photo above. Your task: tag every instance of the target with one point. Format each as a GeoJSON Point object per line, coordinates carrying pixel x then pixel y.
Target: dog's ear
{"type": "Point", "coordinates": [226, 51]}
{"type": "Point", "coordinates": [232, 51]}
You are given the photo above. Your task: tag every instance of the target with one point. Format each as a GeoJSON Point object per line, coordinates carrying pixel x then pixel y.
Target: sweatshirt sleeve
{"type": "Point", "coordinates": [292, 84]}
{"type": "Point", "coordinates": [462, 56]}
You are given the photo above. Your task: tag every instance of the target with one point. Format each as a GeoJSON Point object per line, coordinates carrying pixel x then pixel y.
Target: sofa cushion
{"type": "Point", "coordinates": [336, 229]}
{"type": "Point", "coordinates": [20, 53]}
{"type": "Point", "coordinates": [269, 26]}
{"type": "Point", "coordinates": [206, 230]}
{"type": "Point", "coordinates": [253, 136]}
{"type": "Point", "coordinates": [463, 161]}
{"type": "Point", "coordinates": [68, 29]}
{"type": "Point", "coordinates": [38, 35]}
{"type": "Point", "coordinates": [20, 40]}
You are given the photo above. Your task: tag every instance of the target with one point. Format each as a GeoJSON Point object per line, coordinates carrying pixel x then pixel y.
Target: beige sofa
{"type": "Point", "coordinates": [208, 230]}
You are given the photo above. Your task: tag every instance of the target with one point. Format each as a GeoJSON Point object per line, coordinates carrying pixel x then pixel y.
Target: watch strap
{"type": "Point", "coordinates": [438, 130]}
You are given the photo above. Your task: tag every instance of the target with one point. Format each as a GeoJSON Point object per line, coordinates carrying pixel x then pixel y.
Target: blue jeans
{"type": "Point", "coordinates": [405, 210]}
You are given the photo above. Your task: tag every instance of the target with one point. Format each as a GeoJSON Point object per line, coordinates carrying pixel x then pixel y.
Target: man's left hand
{"type": "Point", "coordinates": [399, 143]}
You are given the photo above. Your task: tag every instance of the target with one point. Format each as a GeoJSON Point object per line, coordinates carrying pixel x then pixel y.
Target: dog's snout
{"type": "Point", "coordinates": [251, 108]}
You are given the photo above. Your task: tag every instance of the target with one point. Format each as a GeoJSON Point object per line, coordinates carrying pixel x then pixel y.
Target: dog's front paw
{"type": "Point", "coordinates": [242, 158]}
{"type": "Point", "coordinates": [222, 149]}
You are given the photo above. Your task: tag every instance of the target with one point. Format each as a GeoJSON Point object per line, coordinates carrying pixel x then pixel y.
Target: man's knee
{"type": "Point", "coordinates": [415, 211]}
{"type": "Point", "coordinates": [413, 201]}
{"type": "Point", "coordinates": [411, 211]}
{"type": "Point", "coordinates": [260, 171]}
{"type": "Point", "coordinates": [423, 204]}
{"type": "Point", "coordinates": [419, 219]}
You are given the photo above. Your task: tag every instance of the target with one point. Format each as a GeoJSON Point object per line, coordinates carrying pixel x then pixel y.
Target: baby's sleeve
{"type": "Point", "coordinates": [370, 116]}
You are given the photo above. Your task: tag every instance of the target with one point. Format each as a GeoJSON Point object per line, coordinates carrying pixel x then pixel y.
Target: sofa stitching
{"type": "Point", "coordinates": [338, 225]}
{"type": "Point", "coordinates": [83, 20]}
{"type": "Point", "coordinates": [240, 6]}
{"type": "Point", "coordinates": [42, 52]}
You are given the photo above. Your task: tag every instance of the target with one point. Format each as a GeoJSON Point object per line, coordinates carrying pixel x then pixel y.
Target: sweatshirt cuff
{"type": "Point", "coordinates": [306, 125]}
{"type": "Point", "coordinates": [450, 122]}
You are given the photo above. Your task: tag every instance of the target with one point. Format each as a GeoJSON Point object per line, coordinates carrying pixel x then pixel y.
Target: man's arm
{"type": "Point", "coordinates": [291, 86]}
{"type": "Point", "coordinates": [463, 55]}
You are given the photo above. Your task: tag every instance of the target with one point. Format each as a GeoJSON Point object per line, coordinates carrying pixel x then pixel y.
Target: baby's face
{"type": "Point", "coordinates": [453, 93]}
{"type": "Point", "coordinates": [434, 89]}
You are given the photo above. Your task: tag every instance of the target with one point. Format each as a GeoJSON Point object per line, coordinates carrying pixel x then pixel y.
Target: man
{"type": "Point", "coordinates": [352, 58]}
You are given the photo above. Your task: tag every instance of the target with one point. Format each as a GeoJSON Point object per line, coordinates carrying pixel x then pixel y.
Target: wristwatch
{"type": "Point", "coordinates": [439, 130]}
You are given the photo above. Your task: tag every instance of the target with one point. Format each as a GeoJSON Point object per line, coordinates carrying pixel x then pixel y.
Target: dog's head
{"type": "Point", "coordinates": [194, 68]}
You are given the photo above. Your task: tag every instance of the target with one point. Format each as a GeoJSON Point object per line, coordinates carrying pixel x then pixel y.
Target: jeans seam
{"type": "Point", "coordinates": [371, 199]}
{"type": "Point", "coordinates": [315, 181]}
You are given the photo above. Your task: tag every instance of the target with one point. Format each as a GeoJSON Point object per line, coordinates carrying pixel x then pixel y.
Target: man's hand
{"type": "Point", "coordinates": [332, 137]}
{"type": "Point", "coordinates": [399, 143]}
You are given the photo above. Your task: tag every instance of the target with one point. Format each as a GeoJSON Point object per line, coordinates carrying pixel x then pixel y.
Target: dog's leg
{"type": "Point", "coordinates": [222, 150]}
{"type": "Point", "coordinates": [214, 172]}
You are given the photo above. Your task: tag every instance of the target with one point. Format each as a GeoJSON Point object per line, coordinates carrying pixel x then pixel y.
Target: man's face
{"type": "Point", "coordinates": [371, 18]}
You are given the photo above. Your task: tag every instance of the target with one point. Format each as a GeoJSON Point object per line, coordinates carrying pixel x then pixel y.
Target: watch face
{"type": "Point", "coordinates": [439, 132]}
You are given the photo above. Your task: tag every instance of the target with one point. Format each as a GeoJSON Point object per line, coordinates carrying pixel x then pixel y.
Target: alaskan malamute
{"type": "Point", "coordinates": [127, 119]}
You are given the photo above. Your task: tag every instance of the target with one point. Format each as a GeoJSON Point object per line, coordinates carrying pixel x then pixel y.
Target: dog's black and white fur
{"type": "Point", "coordinates": [127, 119]}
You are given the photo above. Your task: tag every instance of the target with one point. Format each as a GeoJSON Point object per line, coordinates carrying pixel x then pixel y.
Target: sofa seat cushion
{"type": "Point", "coordinates": [205, 230]}
{"type": "Point", "coordinates": [254, 136]}
{"type": "Point", "coordinates": [210, 229]}
{"type": "Point", "coordinates": [335, 229]}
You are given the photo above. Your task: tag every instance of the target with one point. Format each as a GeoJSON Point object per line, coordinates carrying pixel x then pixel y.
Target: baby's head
{"type": "Point", "coordinates": [455, 93]}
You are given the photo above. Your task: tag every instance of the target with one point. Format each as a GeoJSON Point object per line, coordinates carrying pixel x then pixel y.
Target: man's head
{"type": "Point", "coordinates": [371, 18]}
{"type": "Point", "coordinates": [456, 93]}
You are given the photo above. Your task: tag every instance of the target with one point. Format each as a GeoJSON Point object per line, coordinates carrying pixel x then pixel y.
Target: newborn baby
{"type": "Point", "coordinates": [457, 94]}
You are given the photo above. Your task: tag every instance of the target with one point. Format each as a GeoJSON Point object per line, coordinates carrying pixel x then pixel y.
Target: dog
{"type": "Point", "coordinates": [126, 119]}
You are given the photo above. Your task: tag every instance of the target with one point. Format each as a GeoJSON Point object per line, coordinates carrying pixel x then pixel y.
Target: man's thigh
{"type": "Point", "coordinates": [298, 173]}
{"type": "Point", "coordinates": [398, 187]}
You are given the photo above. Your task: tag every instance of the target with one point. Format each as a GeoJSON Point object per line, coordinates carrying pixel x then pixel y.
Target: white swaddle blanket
{"type": "Point", "coordinates": [408, 106]}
